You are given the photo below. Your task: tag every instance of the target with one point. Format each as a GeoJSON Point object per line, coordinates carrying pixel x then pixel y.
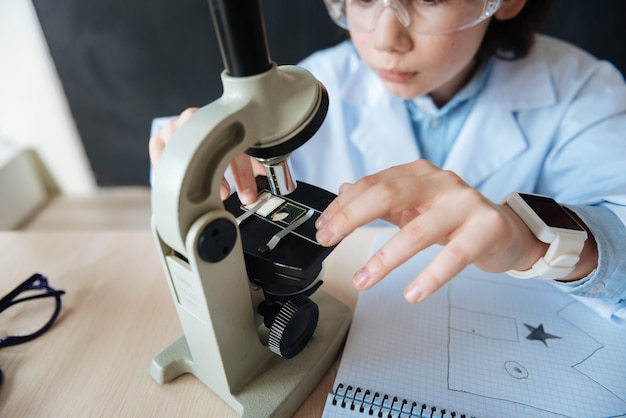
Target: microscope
{"type": "Point", "coordinates": [245, 279]}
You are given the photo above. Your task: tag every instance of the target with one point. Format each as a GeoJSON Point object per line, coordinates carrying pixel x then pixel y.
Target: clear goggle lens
{"type": "Point", "coordinates": [421, 16]}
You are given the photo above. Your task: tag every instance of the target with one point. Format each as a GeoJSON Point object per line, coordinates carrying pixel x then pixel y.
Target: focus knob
{"type": "Point", "coordinates": [291, 324]}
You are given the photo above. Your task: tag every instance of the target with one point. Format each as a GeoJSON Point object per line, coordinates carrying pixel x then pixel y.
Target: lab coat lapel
{"type": "Point", "coordinates": [383, 135]}
{"type": "Point", "coordinates": [492, 135]}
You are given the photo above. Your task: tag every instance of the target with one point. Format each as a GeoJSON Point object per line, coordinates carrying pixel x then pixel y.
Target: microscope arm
{"type": "Point", "coordinates": [261, 110]}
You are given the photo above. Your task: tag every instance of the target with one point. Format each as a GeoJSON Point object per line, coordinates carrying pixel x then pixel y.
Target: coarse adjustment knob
{"type": "Point", "coordinates": [291, 324]}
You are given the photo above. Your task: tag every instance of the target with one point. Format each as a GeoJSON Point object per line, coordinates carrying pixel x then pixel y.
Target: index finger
{"type": "Point", "coordinates": [444, 267]}
{"type": "Point", "coordinates": [348, 212]}
{"type": "Point", "coordinates": [372, 197]}
{"type": "Point", "coordinates": [243, 175]}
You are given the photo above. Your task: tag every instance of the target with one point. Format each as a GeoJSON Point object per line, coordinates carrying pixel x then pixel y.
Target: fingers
{"type": "Point", "coordinates": [341, 218]}
{"type": "Point", "coordinates": [224, 189]}
{"type": "Point", "coordinates": [460, 251]}
{"type": "Point", "coordinates": [388, 195]}
{"type": "Point", "coordinates": [431, 206]}
{"type": "Point", "coordinates": [408, 241]}
{"type": "Point", "coordinates": [159, 140]}
{"type": "Point", "coordinates": [448, 263]}
{"type": "Point", "coordinates": [243, 174]}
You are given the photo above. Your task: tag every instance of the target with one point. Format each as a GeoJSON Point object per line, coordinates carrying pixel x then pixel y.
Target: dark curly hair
{"type": "Point", "coordinates": [512, 39]}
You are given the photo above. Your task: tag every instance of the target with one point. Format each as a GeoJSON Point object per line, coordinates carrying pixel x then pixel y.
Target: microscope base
{"type": "Point", "coordinates": [281, 386]}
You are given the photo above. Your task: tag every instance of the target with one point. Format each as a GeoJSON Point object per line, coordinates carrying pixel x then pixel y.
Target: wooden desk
{"type": "Point", "coordinates": [117, 314]}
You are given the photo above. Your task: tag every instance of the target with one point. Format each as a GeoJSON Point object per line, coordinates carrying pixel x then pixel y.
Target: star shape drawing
{"type": "Point", "coordinates": [538, 334]}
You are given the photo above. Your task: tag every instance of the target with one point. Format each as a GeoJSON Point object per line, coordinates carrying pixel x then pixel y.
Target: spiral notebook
{"type": "Point", "coordinates": [485, 345]}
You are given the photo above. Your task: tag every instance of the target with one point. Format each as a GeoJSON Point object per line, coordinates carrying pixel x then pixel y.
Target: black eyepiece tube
{"type": "Point", "coordinates": [240, 31]}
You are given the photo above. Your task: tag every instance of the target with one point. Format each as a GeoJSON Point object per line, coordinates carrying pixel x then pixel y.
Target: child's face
{"type": "Point", "coordinates": [411, 64]}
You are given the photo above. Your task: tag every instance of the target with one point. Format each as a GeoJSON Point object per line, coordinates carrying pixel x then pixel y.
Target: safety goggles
{"type": "Point", "coordinates": [432, 17]}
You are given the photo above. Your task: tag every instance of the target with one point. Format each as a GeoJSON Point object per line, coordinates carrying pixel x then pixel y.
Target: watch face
{"type": "Point", "coordinates": [551, 212]}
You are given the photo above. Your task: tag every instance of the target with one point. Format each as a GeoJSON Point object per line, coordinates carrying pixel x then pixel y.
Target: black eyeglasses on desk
{"type": "Point", "coordinates": [41, 314]}
{"type": "Point", "coordinates": [33, 288]}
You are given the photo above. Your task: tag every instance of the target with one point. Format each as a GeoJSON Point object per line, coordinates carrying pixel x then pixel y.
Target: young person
{"type": "Point", "coordinates": [438, 111]}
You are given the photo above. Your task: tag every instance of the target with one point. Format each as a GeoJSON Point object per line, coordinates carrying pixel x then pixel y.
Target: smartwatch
{"type": "Point", "coordinates": [552, 224]}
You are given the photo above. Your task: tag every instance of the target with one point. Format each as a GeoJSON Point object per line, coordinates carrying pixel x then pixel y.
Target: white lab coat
{"type": "Point", "coordinates": [552, 123]}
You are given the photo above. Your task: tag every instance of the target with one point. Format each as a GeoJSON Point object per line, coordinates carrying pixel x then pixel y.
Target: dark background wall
{"type": "Point", "coordinates": [122, 62]}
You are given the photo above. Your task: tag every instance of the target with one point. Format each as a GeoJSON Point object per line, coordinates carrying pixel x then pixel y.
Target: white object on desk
{"type": "Point", "coordinates": [22, 191]}
{"type": "Point", "coordinates": [34, 111]}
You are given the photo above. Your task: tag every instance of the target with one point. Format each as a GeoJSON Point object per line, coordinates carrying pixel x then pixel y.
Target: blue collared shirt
{"type": "Point", "coordinates": [437, 128]}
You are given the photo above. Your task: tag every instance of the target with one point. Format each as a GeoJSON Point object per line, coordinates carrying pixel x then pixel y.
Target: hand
{"type": "Point", "coordinates": [431, 206]}
{"type": "Point", "coordinates": [243, 167]}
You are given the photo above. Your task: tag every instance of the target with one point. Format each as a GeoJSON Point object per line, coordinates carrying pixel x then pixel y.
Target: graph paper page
{"type": "Point", "coordinates": [485, 345]}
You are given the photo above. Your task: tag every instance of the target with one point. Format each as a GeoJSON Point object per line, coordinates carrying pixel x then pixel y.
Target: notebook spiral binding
{"type": "Point", "coordinates": [380, 405]}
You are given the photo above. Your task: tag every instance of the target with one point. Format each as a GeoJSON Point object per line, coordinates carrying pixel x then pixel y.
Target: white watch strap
{"type": "Point", "coordinates": [558, 262]}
